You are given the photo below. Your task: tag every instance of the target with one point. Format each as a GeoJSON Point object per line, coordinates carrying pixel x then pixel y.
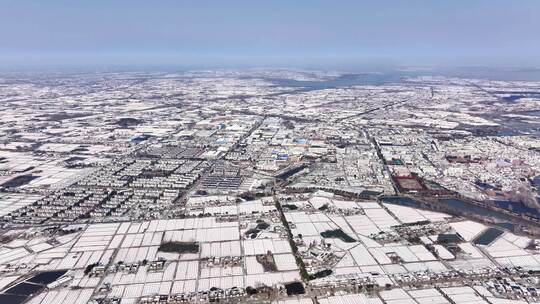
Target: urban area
{"type": "Point", "coordinates": [268, 186]}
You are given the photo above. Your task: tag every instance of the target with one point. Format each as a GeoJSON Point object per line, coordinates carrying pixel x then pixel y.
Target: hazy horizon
{"type": "Point", "coordinates": [275, 34]}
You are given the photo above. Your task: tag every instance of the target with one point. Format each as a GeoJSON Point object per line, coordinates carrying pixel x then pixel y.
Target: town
{"type": "Point", "coordinates": [268, 186]}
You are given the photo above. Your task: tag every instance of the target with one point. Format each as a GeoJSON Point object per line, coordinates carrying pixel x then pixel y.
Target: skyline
{"type": "Point", "coordinates": [245, 34]}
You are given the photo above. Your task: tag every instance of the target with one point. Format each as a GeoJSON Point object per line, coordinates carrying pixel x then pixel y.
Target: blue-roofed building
{"type": "Point", "coordinates": [301, 141]}
{"type": "Point", "coordinates": [280, 156]}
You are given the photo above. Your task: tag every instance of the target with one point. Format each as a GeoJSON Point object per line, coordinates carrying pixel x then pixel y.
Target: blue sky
{"type": "Point", "coordinates": [268, 33]}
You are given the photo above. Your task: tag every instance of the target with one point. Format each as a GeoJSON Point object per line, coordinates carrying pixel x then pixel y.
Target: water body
{"type": "Point", "coordinates": [515, 97]}
{"type": "Point", "coordinates": [518, 207]}
{"type": "Point", "coordinates": [21, 292]}
{"type": "Point", "coordinates": [448, 238]}
{"type": "Point", "coordinates": [12, 299]}
{"type": "Point", "coordinates": [515, 127]}
{"type": "Point", "coordinates": [396, 76]}
{"type": "Point", "coordinates": [346, 80]}
{"type": "Point", "coordinates": [524, 93]}
{"type": "Point", "coordinates": [295, 288]}
{"type": "Point", "coordinates": [403, 201]}
{"type": "Point", "coordinates": [19, 181]}
{"type": "Point", "coordinates": [488, 236]}
{"type": "Point", "coordinates": [24, 289]}
{"type": "Point", "coordinates": [338, 233]}
{"type": "Point", "coordinates": [45, 278]}
{"type": "Point", "coordinates": [460, 207]}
